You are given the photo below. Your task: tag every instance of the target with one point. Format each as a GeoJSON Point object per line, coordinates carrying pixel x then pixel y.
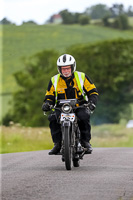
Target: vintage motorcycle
{"type": "Point", "coordinates": [71, 149]}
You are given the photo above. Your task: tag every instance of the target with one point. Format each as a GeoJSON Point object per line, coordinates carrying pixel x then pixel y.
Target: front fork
{"type": "Point", "coordinates": [72, 137]}
{"type": "Point", "coordinates": [77, 150]}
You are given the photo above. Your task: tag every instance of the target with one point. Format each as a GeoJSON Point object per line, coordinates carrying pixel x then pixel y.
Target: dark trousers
{"type": "Point", "coordinates": [83, 122]}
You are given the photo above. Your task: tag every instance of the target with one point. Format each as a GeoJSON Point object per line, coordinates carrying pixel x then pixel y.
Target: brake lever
{"type": "Point", "coordinates": [87, 106]}
{"type": "Point", "coordinates": [51, 107]}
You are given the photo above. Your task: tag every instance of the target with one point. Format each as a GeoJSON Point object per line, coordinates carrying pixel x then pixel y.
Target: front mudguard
{"type": "Point", "coordinates": [66, 123]}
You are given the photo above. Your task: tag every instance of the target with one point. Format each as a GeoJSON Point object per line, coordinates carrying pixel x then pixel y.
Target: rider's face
{"type": "Point", "coordinates": [66, 71]}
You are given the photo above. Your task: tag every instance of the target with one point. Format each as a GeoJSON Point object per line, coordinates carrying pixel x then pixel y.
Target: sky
{"type": "Point", "coordinates": [40, 11]}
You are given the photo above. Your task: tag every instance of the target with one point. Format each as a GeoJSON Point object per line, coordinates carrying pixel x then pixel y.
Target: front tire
{"type": "Point", "coordinates": [67, 148]}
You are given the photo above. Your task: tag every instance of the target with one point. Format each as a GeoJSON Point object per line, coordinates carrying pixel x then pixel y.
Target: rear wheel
{"type": "Point", "coordinates": [76, 163]}
{"type": "Point", "coordinates": [67, 148]}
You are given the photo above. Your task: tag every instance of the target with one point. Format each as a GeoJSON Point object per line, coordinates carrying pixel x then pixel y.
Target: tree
{"type": "Point", "coordinates": [109, 65]}
{"type": "Point", "coordinates": [30, 22]}
{"type": "Point", "coordinates": [33, 82]}
{"type": "Point", "coordinates": [117, 9]}
{"type": "Point", "coordinates": [83, 20]}
{"type": "Point", "coordinates": [76, 17]}
{"type": "Point", "coordinates": [106, 21]}
{"type": "Point", "coordinates": [68, 17]}
{"type": "Point", "coordinates": [98, 11]}
{"type": "Point", "coordinates": [130, 11]}
{"type": "Point", "coordinates": [121, 22]}
{"type": "Point", "coordinates": [5, 21]}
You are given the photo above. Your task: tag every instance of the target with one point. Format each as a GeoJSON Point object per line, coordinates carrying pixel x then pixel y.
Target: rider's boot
{"type": "Point", "coordinates": [87, 145]}
{"type": "Point", "coordinates": [56, 149]}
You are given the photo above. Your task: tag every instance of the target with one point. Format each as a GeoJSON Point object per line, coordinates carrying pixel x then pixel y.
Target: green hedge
{"type": "Point", "coordinates": [110, 66]}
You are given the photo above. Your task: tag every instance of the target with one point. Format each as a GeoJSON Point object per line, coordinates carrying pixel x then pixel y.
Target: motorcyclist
{"type": "Point", "coordinates": [70, 84]}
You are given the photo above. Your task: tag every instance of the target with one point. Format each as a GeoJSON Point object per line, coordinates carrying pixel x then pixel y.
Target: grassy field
{"type": "Point", "coordinates": [26, 40]}
{"type": "Point", "coordinates": [19, 139]}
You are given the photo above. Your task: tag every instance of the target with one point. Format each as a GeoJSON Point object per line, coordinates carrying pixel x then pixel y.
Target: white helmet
{"type": "Point", "coordinates": [66, 60]}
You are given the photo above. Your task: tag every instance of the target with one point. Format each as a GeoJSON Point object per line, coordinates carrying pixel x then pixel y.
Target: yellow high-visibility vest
{"type": "Point", "coordinates": [80, 78]}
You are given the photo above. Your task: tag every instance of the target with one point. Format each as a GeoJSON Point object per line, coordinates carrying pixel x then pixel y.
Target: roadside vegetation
{"type": "Point", "coordinates": [23, 41]}
{"type": "Point", "coordinates": [101, 40]}
{"type": "Point", "coordinates": [107, 63]}
{"type": "Point", "coordinates": [20, 139]}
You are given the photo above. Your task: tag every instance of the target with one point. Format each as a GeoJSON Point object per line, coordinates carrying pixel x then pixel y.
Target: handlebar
{"type": "Point", "coordinates": [74, 107]}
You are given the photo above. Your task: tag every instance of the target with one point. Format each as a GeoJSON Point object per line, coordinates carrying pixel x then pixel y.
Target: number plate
{"type": "Point", "coordinates": [70, 117]}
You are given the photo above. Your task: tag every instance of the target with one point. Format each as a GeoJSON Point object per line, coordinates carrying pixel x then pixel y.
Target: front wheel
{"type": "Point", "coordinates": [67, 148]}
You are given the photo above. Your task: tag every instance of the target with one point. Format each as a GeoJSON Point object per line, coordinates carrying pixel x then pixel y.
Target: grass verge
{"type": "Point", "coordinates": [20, 139]}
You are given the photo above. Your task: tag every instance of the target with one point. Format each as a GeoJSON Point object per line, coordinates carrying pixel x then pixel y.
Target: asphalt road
{"type": "Point", "coordinates": [107, 174]}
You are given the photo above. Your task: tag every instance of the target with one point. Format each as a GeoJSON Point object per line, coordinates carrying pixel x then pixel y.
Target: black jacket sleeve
{"type": "Point", "coordinates": [90, 90]}
{"type": "Point", "coordinates": [50, 94]}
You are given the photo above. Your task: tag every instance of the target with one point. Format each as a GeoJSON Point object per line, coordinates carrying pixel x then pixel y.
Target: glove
{"type": "Point", "coordinates": [91, 106]}
{"type": "Point", "coordinates": [46, 107]}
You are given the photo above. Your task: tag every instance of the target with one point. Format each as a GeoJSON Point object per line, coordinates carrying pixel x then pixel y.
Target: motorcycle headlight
{"type": "Point", "coordinates": [66, 108]}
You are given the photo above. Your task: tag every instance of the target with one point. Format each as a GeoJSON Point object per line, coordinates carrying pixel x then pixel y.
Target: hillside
{"type": "Point", "coordinates": [20, 41]}
{"type": "Point", "coordinates": [26, 40]}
